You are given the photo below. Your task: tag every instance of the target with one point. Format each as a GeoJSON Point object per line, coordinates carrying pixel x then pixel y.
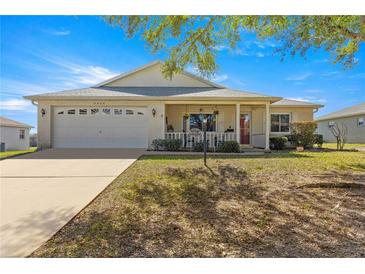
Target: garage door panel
{"type": "Point", "coordinates": [99, 130]}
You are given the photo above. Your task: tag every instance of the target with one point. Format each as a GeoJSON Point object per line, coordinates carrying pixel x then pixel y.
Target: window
{"type": "Point", "coordinates": [22, 134]}
{"type": "Point", "coordinates": [129, 112]}
{"type": "Point", "coordinates": [106, 111]}
{"type": "Point", "coordinates": [331, 124]}
{"type": "Point", "coordinates": [360, 122]}
{"type": "Point", "coordinates": [61, 112]}
{"type": "Point", "coordinates": [196, 121]}
{"type": "Point", "coordinates": [280, 123]}
{"type": "Point", "coordinates": [118, 111]}
{"type": "Point", "coordinates": [94, 111]}
{"type": "Point", "coordinates": [71, 111]}
{"type": "Point", "coordinates": [82, 111]}
{"type": "Point", "coordinates": [140, 113]}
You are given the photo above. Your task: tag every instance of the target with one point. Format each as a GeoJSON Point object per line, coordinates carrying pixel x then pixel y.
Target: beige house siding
{"type": "Point", "coordinates": [152, 77]}
{"type": "Point", "coordinates": [174, 113]}
{"type": "Point", "coordinates": [44, 125]}
{"type": "Point", "coordinates": [297, 114]}
{"type": "Point", "coordinates": [356, 135]}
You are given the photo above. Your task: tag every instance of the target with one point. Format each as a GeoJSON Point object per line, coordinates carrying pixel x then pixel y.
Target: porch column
{"type": "Point", "coordinates": [267, 131]}
{"type": "Point", "coordinates": [163, 116]}
{"type": "Point", "coordinates": [238, 131]}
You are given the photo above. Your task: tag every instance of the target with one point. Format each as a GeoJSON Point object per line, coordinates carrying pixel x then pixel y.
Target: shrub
{"type": "Point", "coordinates": [198, 147]}
{"type": "Point", "coordinates": [158, 144]}
{"type": "Point", "coordinates": [278, 142]}
{"type": "Point", "coordinates": [318, 140]}
{"type": "Point", "coordinates": [303, 133]}
{"type": "Point", "coordinates": [172, 144]}
{"type": "Point", "coordinates": [228, 146]}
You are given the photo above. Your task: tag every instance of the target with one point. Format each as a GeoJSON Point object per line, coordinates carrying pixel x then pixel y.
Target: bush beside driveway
{"type": "Point", "coordinates": [292, 204]}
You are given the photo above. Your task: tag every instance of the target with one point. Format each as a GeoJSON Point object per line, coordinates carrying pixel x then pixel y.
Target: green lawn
{"type": "Point", "coordinates": [292, 204]}
{"type": "Point", "coordinates": [16, 152]}
{"type": "Point", "coordinates": [347, 146]}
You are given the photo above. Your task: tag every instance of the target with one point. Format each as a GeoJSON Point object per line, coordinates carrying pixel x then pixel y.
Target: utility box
{"type": "Point", "coordinates": [2, 147]}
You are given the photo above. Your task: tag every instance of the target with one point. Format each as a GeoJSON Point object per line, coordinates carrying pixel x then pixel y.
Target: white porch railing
{"type": "Point", "coordinates": [213, 138]}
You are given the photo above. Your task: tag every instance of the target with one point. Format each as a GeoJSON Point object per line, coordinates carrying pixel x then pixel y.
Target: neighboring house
{"type": "Point", "coordinates": [14, 135]}
{"type": "Point", "coordinates": [354, 119]}
{"type": "Point", "coordinates": [133, 109]}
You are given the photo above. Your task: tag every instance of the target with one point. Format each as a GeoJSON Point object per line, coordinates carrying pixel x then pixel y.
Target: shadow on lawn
{"type": "Point", "coordinates": [219, 212]}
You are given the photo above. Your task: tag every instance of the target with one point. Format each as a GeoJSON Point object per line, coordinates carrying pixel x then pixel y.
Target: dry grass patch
{"type": "Point", "coordinates": [279, 205]}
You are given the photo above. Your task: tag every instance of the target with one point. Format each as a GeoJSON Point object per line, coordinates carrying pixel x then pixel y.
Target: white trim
{"type": "Point", "coordinates": [238, 122]}
{"type": "Point", "coordinates": [281, 113]}
{"type": "Point", "coordinates": [267, 126]}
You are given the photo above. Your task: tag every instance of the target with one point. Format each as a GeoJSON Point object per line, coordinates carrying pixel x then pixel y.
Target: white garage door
{"type": "Point", "coordinates": [99, 127]}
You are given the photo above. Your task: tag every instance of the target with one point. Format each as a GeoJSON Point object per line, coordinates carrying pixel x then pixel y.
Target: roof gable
{"type": "Point", "coordinates": [346, 112]}
{"type": "Point", "coordinates": [150, 75]}
{"type": "Point", "coordinates": [6, 122]}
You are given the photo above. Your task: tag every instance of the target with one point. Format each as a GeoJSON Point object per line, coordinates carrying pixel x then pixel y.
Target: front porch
{"type": "Point", "coordinates": [247, 123]}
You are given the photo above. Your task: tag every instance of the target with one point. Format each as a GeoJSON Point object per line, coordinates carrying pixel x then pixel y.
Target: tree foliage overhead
{"type": "Point", "coordinates": [193, 40]}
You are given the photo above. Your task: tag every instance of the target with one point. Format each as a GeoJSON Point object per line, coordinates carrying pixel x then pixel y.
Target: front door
{"type": "Point", "coordinates": [245, 121]}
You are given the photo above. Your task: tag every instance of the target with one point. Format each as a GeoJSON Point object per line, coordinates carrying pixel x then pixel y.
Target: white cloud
{"type": "Point", "coordinates": [10, 86]}
{"type": "Point", "coordinates": [81, 74]}
{"type": "Point", "coordinates": [260, 55]}
{"type": "Point", "coordinates": [331, 73]}
{"type": "Point", "coordinates": [299, 77]}
{"type": "Point", "coordinates": [220, 47]}
{"type": "Point", "coordinates": [358, 75]}
{"type": "Point", "coordinates": [16, 104]}
{"type": "Point", "coordinates": [58, 32]}
{"type": "Point", "coordinates": [220, 78]}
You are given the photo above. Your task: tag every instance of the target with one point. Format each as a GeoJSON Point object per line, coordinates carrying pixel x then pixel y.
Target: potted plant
{"type": "Point", "coordinates": [300, 147]}
{"type": "Point", "coordinates": [170, 128]}
{"type": "Point", "coordinates": [186, 115]}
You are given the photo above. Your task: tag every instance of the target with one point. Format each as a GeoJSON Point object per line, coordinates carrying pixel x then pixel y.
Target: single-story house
{"type": "Point", "coordinates": [134, 108]}
{"type": "Point", "coordinates": [14, 135]}
{"type": "Point", "coordinates": [352, 117]}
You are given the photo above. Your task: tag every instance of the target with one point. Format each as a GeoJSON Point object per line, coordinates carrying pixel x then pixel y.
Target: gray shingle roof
{"type": "Point", "coordinates": [142, 92]}
{"type": "Point", "coordinates": [346, 112]}
{"type": "Point", "coordinates": [288, 102]}
{"type": "Point", "coordinates": [11, 123]}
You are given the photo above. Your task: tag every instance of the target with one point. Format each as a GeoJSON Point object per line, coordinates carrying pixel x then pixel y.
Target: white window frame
{"type": "Point", "coordinates": [21, 134]}
{"type": "Point", "coordinates": [281, 132]}
{"type": "Point", "coordinates": [82, 109]}
{"type": "Point", "coordinates": [358, 122]}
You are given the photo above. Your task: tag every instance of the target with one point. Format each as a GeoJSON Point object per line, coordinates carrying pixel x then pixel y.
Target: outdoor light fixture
{"type": "Point", "coordinates": [153, 112]}
{"type": "Point", "coordinates": [43, 112]}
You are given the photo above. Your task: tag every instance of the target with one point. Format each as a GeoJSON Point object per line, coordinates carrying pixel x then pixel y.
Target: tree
{"type": "Point", "coordinates": [340, 133]}
{"type": "Point", "coordinates": [194, 40]}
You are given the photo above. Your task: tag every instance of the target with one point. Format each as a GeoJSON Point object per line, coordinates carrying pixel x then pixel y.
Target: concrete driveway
{"type": "Point", "coordinates": [42, 191]}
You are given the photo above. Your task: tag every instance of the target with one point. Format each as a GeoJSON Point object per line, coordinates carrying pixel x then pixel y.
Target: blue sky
{"type": "Point", "coordinates": [51, 53]}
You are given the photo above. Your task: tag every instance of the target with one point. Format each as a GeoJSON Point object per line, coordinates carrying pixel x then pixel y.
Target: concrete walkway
{"type": "Point", "coordinates": [42, 191]}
